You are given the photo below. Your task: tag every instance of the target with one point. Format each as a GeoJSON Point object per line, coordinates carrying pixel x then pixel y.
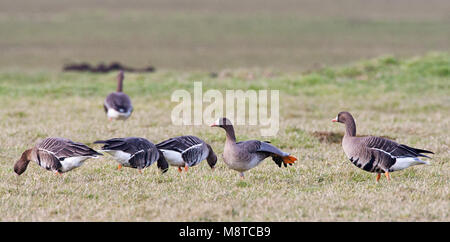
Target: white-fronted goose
{"type": "Point", "coordinates": [377, 154]}
{"type": "Point", "coordinates": [117, 104]}
{"type": "Point", "coordinates": [134, 152]}
{"type": "Point", "coordinates": [187, 151]}
{"type": "Point", "coordinates": [55, 154]}
{"type": "Point", "coordinates": [244, 155]}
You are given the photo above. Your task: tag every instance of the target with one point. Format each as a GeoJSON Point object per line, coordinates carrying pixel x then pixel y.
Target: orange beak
{"type": "Point", "coordinates": [334, 120]}
{"type": "Point", "coordinates": [213, 125]}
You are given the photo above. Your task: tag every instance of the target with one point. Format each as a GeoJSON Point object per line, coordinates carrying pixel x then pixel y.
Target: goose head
{"type": "Point", "coordinates": [347, 119]}
{"type": "Point", "coordinates": [21, 165]}
{"type": "Point", "coordinates": [222, 123]}
{"type": "Point", "coordinates": [343, 117]}
{"type": "Point", "coordinates": [225, 124]}
{"type": "Point", "coordinates": [212, 157]}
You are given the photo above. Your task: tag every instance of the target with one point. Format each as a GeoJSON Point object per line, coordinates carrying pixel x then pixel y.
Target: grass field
{"type": "Point", "coordinates": [387, 62]}
{"type": "Point", "coordinates": [406, 99]}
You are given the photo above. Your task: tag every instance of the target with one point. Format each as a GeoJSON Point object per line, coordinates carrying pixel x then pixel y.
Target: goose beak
{"type": "Point", "coordinates": [335, 119]}
{"type": "Point", "coordinates": [212, 125]}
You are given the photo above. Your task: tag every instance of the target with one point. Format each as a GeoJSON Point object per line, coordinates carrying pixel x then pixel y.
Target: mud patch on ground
{"type": "Point", "coordinates": [327, 137]}
{"type": "Point", "coordinates": [103, 68]}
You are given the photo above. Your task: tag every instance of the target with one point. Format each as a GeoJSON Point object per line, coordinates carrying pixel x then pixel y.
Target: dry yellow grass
{"type": "Point", "coordinates": [401, 99]}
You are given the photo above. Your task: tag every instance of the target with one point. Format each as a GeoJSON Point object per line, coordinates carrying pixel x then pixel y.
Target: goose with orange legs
{"type": "Point", "coordinates": [187, 151]}
{"type": "Point", "coordinates": [245, 155]}
{"type": "Point", "coordinates": [377, 154]}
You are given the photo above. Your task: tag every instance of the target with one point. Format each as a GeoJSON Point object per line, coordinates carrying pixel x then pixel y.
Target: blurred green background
{"type": "Point", "coordinates": [211, 35]}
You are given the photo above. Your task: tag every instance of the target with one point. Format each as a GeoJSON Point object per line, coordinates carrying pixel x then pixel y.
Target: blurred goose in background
{"type": "Point", "coordinates": [117, 104]}
{"type": "Point", "coordinates": [244, 155]}
{"type": "Point", "coordinates": [187, 151]}
{"type": "Point", "coordinates": [377, 154]}
{"type": "Point", "coordinates": [134, 152]}
{"type": "Point", "coordinates": [55, 154]}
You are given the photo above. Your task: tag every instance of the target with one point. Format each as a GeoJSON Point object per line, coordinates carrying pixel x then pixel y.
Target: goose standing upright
{"type": "Point", "coordinates": [117, 104]}
{"type": "Point", "coordinates": [55, 154]}
{"type": "Point", "coordinates": [134, 152]}
{"type": "Point", "coordinates": [377, 154]}
{"type": "Point", "coordinates": [244, 155]}
{"type": "Point", "coordinates": [187, 151]}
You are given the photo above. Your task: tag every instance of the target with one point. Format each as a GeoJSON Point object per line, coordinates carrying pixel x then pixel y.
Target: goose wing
{"type": "Point", "coordinates": [180, 143]}
{"type": "Point", "coordinates": [256, 146]}
{"type": "Point", "coordinates": [62, 148]}
{"type": "Point", "coordinates": [193, 150]}
{"type": "Point", "coordinates": [47, 160]}
{"type": "Point", "coordinates": [393, 148]}
{"type": "Point", "coordinates": [195, 154]}
{"type": "Point", "coordinates": [128, 145]}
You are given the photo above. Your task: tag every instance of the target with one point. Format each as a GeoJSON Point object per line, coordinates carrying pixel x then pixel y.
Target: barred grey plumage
{"type": "Point", "coordinates": [377, 154]}
{"type": "Point", "coordinates": [56, 154]}
{"type": "Point", "coordinates": [134, 152]}
{"type": "Point", "coordinates": [187, 151]}
{"type": "Point", "coordinates": [117, 104]}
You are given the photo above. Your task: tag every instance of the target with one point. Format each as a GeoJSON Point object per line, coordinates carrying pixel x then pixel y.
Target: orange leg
{"type": "Point", "coordinates": [378, 176]}
{"type": "Point", "coordinates": [241, 175]}
{"type": "Point", "coordinates": [179, 169]}
{"type": "Point", "coordinates": [140, 171]}
{"type": "Point", "coordinates": [186, 167]}
{"type": "Point", "coordinates": [119, 167]}
{"type": "Point", "coordinates": [387, 176]}
{"type": "Point", "coordinates": [58, 173]}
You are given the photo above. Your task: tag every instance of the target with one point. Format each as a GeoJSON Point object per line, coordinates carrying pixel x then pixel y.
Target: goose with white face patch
{"type": "Point", "coordinates": [377, 154]}
{"type": "Point", "coordinates": [134, 152]}
{"type": "Point", "coordinates": [245, 155]}
{"type": "Point", "coordinates": [117, 104]}
{"type": "Point", "coordinates": [55, 154]}
{"type": "Point", "coordinates": [187, 151]}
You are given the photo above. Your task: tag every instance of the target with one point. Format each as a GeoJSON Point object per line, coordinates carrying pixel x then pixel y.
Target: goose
{"type": "Point", "coordinates": [133, 152]}
{"type": "Point", "coordinates": [245, 155]}
{"type": "Point", "coordinates": [55, 154]}
{"type": "Point", "coordinates": [377, 154]}
{"type": "Point", "coordinates": [187, 151]}
{"type": "Point", "coordinates": [117, 104]}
